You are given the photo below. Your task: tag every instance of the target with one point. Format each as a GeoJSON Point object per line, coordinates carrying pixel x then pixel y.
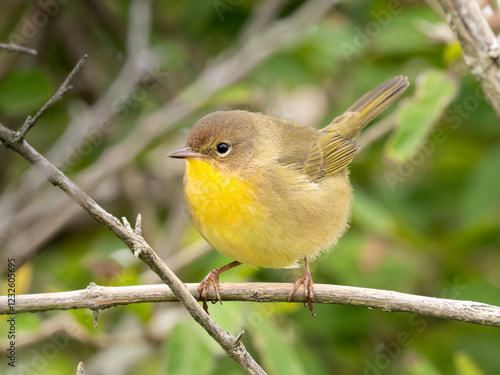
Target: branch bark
{"type": "Point", "coordinates": [480, 47]}
{"type": "Point", "coordinates": [11, 47]}
{"type": "Point", "coordinates": [100, 297]}
{"type": "Point", "coordinates": [63, 88]}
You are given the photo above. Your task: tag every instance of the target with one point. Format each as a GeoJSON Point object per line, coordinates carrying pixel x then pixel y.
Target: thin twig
{"type": "Point", "coordinates": [81, 369]}
{"type": "Point", "coordinates": [65, 86]}
{"type": "Point", "coordinates": [100, 298]}
{"type": "Point", "coordinates": [240, 336]}
{"type": "Point", "coordinates": [11, 47]}
{"type": "Point", "coordinates": [480, 47]}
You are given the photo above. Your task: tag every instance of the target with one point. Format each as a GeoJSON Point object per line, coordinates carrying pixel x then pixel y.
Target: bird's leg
{"type": "Point", "coordinates": [307, 281]}
{"type": "Point", "coordinates": [213, 277]}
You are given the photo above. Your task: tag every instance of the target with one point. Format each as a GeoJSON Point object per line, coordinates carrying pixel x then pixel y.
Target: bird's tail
{"type": "Point", "coordinates": [369, 106]}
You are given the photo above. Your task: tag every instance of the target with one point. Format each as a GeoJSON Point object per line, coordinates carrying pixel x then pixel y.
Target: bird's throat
{"type": "Point", "coordinates": [216, 200]}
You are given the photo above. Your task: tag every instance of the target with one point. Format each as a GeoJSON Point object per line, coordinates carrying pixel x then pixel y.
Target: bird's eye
{"type": "Point", "coordinates": [222, 148]}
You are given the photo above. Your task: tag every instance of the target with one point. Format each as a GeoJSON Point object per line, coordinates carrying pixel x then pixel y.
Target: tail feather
{"type": "Point", "coordinates": [369, 106]}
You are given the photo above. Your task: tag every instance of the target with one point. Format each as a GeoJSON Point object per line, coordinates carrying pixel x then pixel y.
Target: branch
{"type": "Point", "coordinates": [101, 297]}
{"type": "Point", "coordinates": [63, 88]}
{"type": "Point", "coordinates": [480, 47]}
{"type": "Point", "coordinates": [11, 47]}
{"type": "Point", "coordinates": [234, 348]}
{"type": "Point", "coordinates": [80, 369]}
{"type": "Point", "coordinates": [134, 241]}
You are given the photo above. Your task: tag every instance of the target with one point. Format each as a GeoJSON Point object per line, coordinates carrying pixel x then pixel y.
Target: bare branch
{"type": "Point", "coordinates": [100, 297]}
{"type": "Point", "coordinates": [234, 349]}
{"type": "Point", "coordinates": [65, 86]}
{"type": "Point", "coordinates": [480, 47]}
{"type": "Point", "coordinates": [139, 247]}
{"type": "Point", "coordinates": [81, 369]}
{"type": "Point", "coordinates": [11, 47]}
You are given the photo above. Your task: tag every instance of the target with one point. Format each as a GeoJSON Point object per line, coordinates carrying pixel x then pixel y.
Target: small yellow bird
{"type": "Point", "coordinates": [267, 192]}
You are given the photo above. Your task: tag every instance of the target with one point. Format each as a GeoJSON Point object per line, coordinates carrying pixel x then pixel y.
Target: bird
{"type": "Point", "coordinates": [267, 192]}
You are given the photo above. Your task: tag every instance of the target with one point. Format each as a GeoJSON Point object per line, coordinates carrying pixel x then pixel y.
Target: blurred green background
{"type": "Point", "coordinates": [426, 215]}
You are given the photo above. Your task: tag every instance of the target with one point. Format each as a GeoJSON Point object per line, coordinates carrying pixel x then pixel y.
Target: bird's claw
{"type": "Point", "coordinates": [306, 280]}
{"type": "Point", "coordinates": [212, 277]}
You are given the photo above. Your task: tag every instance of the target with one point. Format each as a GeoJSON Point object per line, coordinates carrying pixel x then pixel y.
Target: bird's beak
{"type": "Point", "coordinates": [186, 153]}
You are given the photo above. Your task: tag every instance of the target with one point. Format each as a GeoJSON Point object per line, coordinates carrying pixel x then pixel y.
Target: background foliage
{"type": "Point", "coordinates": [426, 210]}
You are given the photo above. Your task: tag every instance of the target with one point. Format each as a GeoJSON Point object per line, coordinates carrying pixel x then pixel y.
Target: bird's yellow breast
{"type": "Point", "coordinates": [215, 198]}
{"type": "Point", "coordinates": [223, 209]}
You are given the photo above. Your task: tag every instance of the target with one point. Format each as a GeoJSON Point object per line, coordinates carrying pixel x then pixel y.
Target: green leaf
{"type": "Point", "coordinates": [187, 353]}
{"type": "Point", "coordinates": [24, 92]}
{"type": "Point", "coordinates": [422, 366]}
{"type": "Point", "coordinates": [389, 21]}
{"type": "Point", "coordinates": [433, 93]}
{"type": "Point", "coordinates": [465, 365]}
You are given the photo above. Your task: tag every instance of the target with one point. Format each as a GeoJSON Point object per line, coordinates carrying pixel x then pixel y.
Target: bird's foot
{"type": "Point", "coordinates": [212, 277]}
{"type": "Point", "coordinates": [307, 281]}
